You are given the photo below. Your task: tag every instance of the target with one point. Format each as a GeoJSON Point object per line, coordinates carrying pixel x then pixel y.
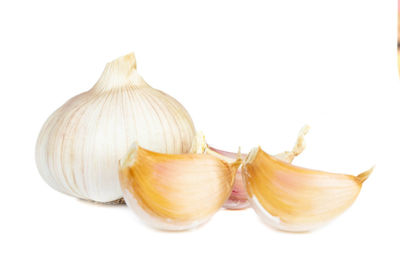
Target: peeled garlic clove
{"type": "Point", "coordinates": [296, 199]}
{"type": "Point", "coordinates": [175, 192]}
{"type": "Point", "coordinates": [79, 146]}
{"type": "Point", "coordinates": [238, 198]}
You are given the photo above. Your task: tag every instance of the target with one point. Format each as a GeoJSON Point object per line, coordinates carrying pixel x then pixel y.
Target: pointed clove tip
{"type": "Point", "coordinates": [300, 142]}
{"type": "Point", "coordinates": [239, 153]}
{"type": "Point", "coordinates": [304, 130]}
{"type": "Point", "coordinates": [364, 175]}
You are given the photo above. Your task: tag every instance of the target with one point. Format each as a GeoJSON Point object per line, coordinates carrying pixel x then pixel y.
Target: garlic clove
{"type": "Point", "coordinates": [296, 199]}
{"type": "Point", "coordinates": [238, 198]}
{"type": "Point", "coordinates": [79, 146]}
{"type": "Point", "coordinates": [175, 192]}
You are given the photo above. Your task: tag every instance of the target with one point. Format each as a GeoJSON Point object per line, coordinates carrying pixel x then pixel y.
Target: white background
{"type": "Point", "coordinates": [250, 73]}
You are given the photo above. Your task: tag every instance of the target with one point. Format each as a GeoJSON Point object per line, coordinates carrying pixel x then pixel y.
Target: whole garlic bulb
{"type": "Point", "coordinates": [79, 146]}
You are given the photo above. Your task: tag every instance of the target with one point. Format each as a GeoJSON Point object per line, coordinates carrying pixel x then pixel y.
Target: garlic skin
{"type": "Point", "coordinates": [79, 146]}
{"type": "Point", "coordinates": [175, 192]}
{"type": "Point", "coordinates": [295, 199]}
{"type": "Point", "coordinates": [238, 198]}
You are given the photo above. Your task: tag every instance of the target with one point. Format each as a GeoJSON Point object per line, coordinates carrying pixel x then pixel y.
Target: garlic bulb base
{"type": "Point", "coordinates": [116, 202]}
{"type": "Point", "coordinates": [120, 201]}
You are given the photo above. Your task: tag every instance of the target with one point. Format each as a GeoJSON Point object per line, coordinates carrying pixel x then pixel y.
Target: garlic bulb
{"type": "Point", "coordinates": [238, 198]}
{"type": "Point", "coordinates": [79, 146]}
{"type": "Point", "coordinates": [175, 192]}
{"type": "Point", "coordinates": [295, 199]}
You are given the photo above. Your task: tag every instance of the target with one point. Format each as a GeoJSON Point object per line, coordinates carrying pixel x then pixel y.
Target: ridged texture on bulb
{"type": "Point", "coordinates": [238, 198]}
{"type": "Point", "coordinates": [79, 146]}
{"type": "Point", "coordinates": [175, 192]}
{"type": "Point", "coordinates": [296, 199]}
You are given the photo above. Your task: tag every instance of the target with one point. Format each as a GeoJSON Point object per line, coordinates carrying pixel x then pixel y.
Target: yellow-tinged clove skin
{"type": "Point", "coordinates": [296, 199]}
{"type": "Point", "coordinates": [175, 192]}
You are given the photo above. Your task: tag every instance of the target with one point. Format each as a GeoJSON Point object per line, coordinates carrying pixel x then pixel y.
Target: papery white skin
{"type": "Point", "coordinates": [79, 146]}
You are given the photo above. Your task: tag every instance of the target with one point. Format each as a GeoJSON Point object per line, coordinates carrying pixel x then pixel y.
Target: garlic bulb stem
{"type": "Point", "coordinates": [120, 73]}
